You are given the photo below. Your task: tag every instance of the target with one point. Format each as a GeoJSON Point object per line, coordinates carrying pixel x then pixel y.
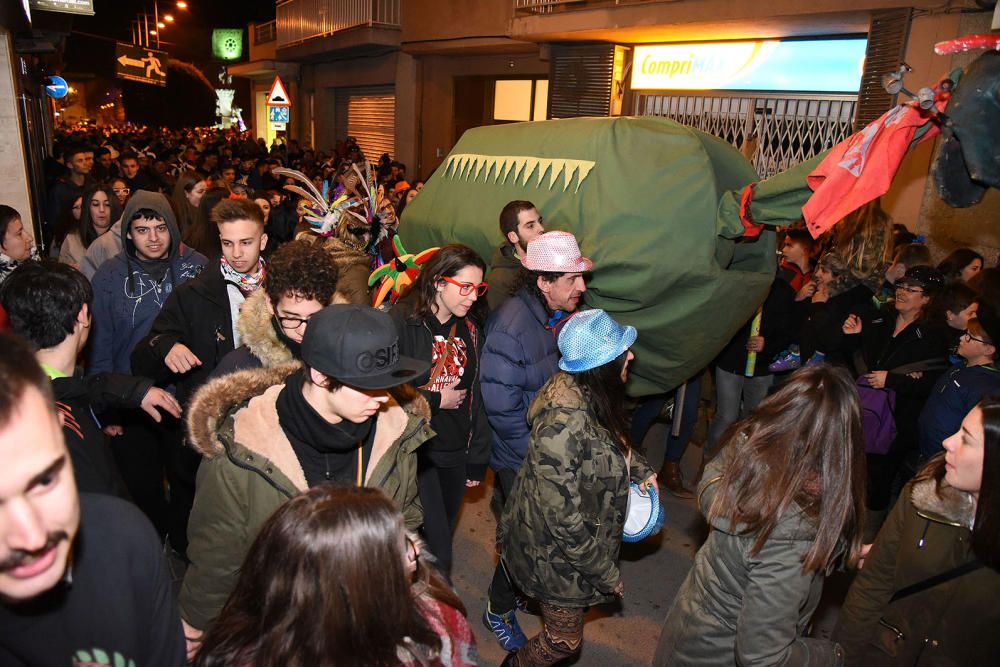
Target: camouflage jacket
{"type": "Point", "coordinates": [562, 526]}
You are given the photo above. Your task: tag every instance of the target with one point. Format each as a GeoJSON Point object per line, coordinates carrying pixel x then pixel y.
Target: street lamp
{"type": "Point", "coordinates": [182, 5]}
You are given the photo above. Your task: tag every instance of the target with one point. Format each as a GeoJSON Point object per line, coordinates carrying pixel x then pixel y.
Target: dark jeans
{"type": "Point", "coordinates": [649, 411]}
{"type": "Point", "coordinates": [736, 397]}
{"type": "Point", "coordinates": [502, 595]}
{"type": "Point", "coordinates": [441, 491]}
{"type": "Point", "coordinates": [182, 469]}
{"type": "Point", "coordinates": [142, 453]}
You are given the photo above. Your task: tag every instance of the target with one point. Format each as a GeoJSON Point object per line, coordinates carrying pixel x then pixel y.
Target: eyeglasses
{"type": "Point", "coordinates": [966, 334]}
{"type": "Point", "coordinates": [910, 290]}
{"type": "Point", "coordinates": [121, 191]}
{"type": "Point", "coordinates": [291, 323]}
{"type": "Point", "coordinates": [465, 289]}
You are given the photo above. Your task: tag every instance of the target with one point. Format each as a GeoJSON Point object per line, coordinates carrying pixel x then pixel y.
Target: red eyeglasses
{"type": "Point", "coordinates": [466, 288]}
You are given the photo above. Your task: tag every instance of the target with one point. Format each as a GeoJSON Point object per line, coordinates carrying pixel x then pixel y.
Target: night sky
{"type": "Point", "coordinates": [90, 50]}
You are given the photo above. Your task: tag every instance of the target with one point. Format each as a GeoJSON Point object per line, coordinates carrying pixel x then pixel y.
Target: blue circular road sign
{"type": "Point", "coordinates": [57, 87]}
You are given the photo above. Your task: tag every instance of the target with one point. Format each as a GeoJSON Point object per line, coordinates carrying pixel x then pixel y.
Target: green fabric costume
{"type": "Point", "coordinates": [653, 203]}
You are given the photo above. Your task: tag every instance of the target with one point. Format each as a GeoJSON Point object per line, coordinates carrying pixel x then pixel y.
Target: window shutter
{"type": "Point", "coordinates": [886, 47]}
{"type": "Point", "coordinates": [580, 80]}
{"type": "Point", "coordinates": [369, 115]}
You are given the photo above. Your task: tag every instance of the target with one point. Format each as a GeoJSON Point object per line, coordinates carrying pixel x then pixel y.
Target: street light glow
{"type": "Point", "coordinates": [161, 24]}
{"type": "Point", "coordinates": [182, 5]}
{"type": "Point", "coordinates": [169, 18]}
{"type": "Point", "coordinates": [152, 32]}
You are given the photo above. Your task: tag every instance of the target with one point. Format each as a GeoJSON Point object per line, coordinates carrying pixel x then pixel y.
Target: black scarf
{"type": "Point", "coordinates": [156, 268]}
{"type": "Point", "coordinates": [327, 452]}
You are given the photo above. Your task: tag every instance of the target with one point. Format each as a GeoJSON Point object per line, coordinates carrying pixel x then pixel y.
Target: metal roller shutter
{"type": "Point", "coordinates": [369, 115]}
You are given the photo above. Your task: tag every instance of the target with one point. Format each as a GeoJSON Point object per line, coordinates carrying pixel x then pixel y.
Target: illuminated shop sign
{"type": "Point", "coordinates": [825, 65]}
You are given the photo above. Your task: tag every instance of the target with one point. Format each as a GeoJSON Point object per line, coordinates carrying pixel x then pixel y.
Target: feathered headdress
{"type": "Point", "coordinates": [359, 202]}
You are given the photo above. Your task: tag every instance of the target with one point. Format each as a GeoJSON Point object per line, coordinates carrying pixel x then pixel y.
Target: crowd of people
{"type": "Point", "coordinates": [190, 369]}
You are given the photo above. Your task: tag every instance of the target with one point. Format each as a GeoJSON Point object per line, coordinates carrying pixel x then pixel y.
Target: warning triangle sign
{"type": "Point", "coordinates": [278, 97]}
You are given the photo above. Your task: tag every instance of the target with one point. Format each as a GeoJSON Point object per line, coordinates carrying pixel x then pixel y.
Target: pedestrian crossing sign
{"type": "Point", "coordinates": [277, 114]}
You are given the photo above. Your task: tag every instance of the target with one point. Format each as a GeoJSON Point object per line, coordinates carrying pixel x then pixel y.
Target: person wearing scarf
{"type": "Point", "coordinates": [196, 329]}
{"type": "Point", "coordinates": [301, 279]}
{"type": "Point", "coordinates": [16, 244]}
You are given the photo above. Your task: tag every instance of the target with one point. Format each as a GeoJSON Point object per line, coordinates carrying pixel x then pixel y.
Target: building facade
{"type": "Point", "coordinates": [408, 78]}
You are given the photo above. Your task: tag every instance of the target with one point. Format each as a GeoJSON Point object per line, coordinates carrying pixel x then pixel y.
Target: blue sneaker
{"type": "Point", "coordinates": [817, 357]}
{"type": "Point", "coordinates": [788, 360]}
{"type": "Point", "coordinates": [505, 628]}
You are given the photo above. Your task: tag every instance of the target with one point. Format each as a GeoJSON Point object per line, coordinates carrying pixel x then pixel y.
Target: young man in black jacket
{"type": "Point", "coordinates": [196, 329]}
{"type": "Point", "coordinates": [82, 577]}
{"type": "Point", "coordinates": [48, 305]}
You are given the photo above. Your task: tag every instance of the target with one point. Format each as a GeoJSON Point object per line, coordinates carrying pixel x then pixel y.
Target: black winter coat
{"type": "Point", "coordinates": [78, 400]}
{"type": "Point", "coordinates": [881, 351]}
{"type": "Point", "coordinates": [775, 326]}
{"type": "Point", "coordinates": [417, 340]}
{"type": "Point", "coordinates": [821, 330]}
{"type": "Point", "coordinates": [196, 314]}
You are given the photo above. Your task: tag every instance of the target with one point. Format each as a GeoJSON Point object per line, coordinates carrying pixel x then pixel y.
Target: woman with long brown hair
{"type": "Point", "coordinates": [563, 523]}
{"type": "Point", "coordinates": [436, 322]}
{"type": "Point", "coordinates": [188, 191]}
{"type": "Point", "coordinates": [785, 502]}
{"type": "Point", "coordinates": [333, 578]}
{"type": "Point", "coordinates": [100, 210]}
{"type": "Point", "coordinates": [202, 235]}
{"type": "Point", "coordinates": [928, 592]}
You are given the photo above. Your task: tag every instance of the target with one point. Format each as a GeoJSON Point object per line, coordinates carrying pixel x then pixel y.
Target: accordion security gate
{"type": "Point", "coordinates": [788, 129]}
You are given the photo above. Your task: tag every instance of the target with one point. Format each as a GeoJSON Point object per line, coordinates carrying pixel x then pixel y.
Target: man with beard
{"type": "Point", "coordinates": [520, 223]}
{"type": "Point", "coordinates": [82, 577]}
{"type": "Point", "coordinates": [520, 355]}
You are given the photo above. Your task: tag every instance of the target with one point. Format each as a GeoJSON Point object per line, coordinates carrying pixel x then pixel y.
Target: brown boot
{"type": "Point", "coordinates": [670, 479]}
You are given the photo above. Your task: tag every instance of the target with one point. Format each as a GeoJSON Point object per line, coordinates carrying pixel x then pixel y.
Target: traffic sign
{"type": "Point", "coordinates": [56, 87]}
{"type": "Point", "coordinates": [278, 127]}
{"type": "Point", "coordinates": [135, 63]}
{"type": "Point", "coordinates": [277, 114]}
{"type": "Point", "coordinates": [278, 97]}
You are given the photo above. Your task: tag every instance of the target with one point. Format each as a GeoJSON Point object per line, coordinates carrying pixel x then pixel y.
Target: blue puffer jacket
{"type": "Point", "coordinates": [126, 298]}
{"type": "Point", "coordinates": [954, 395]}
{"type": "Point", "coordinates": [519, 357]}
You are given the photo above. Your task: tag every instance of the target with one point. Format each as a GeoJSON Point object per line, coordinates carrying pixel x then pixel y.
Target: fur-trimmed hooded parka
{"type": "Point", "coordinates": [249, 469]}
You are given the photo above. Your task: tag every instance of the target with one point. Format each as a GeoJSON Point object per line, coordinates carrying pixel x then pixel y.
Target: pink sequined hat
{"type": "Point", "coordinates": [555, 252]}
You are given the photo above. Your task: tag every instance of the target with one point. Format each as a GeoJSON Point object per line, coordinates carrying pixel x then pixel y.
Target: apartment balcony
{"type": "Point", "coordinates": [263, 40]}
{"type": "Point", "coordinates": [313, 30]}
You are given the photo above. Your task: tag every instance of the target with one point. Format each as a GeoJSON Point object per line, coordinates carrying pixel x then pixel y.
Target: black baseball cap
{"type": "Point", "coordinates": [926, 277]}
{"type": "Point", "coordinates": [358, 346]}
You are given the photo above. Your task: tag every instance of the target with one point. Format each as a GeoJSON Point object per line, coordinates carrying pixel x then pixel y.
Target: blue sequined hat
{"type": "Point", "coordinates": [590, 339]}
